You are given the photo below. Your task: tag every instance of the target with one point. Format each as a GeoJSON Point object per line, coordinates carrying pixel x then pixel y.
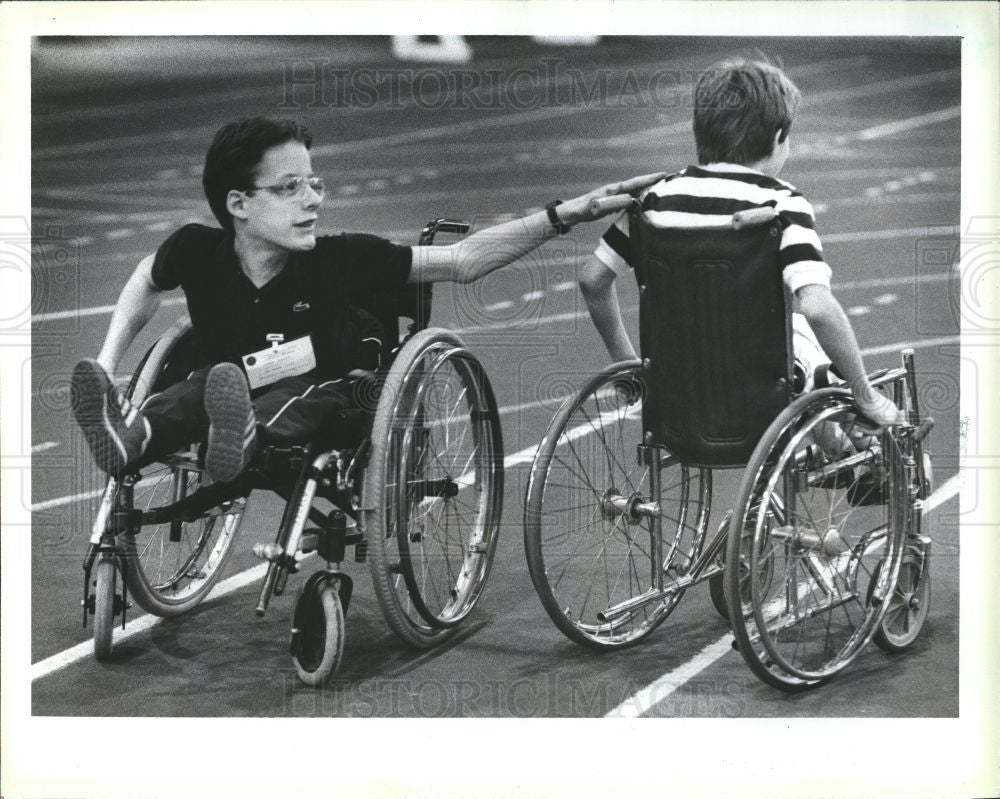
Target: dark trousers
{"type": "Point", "coordinates": [295, 410]}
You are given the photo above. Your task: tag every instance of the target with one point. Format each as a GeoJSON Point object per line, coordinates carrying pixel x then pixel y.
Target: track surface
{"type": "Point", "coordinates": [116, 163]}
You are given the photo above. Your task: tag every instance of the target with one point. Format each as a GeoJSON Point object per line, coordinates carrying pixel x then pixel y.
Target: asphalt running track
{"type": "Point", "coordinates": [115, 168]}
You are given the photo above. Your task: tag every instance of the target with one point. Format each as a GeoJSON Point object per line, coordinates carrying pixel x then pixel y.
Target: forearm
{"type": "Point", "coordinates": [126, 323]}
{"type": "Point", "coordinates": [493, 248]}
{"type": "Point", "coordinates": [605, 312]}
{"type": "Point", "coordinates": [484, 251]}
{"type": "Point", "coordinates": [836, 336]}
{"type": "Point", "coordinates": [488, 250]}
{"type": "Point", "coordinates": [833, 331]}
{"type": "Point", "coordinates": [136, 305]}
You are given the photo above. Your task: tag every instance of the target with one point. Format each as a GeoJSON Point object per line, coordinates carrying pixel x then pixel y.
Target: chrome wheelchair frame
{"type": "Point", "coordinates": [822, 552]}
{"type": "Point", "coordinates": [419, 499]}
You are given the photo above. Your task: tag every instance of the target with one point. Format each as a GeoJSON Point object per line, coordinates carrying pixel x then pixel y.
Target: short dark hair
{"type": "Point", "coordinates": [738, 107]}
{"type": "Point", "coordinates": [236, 152]}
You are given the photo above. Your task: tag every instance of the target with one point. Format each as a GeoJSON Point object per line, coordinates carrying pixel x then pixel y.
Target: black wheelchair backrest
{"type": "Point", "coordinates": [715, 336]}
{"type": "Point", "coordinates": [412, 302]}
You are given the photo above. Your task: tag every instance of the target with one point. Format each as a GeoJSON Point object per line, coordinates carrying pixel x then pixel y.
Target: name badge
{"type": "Point", "coordinates": [279, 361]}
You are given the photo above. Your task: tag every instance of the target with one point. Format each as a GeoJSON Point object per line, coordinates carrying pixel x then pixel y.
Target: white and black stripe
{"type": "Point", "coordinates": [703, 196]}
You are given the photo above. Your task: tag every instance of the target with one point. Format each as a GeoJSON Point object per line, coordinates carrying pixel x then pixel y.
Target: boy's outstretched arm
{"type": "Point", "coordinates": [597, 284]}
{"type": "Point", "coordinates": [136, 305]}
{"type": "Point", "coordinates": [495, 247]}
{"type": "Point", "coordinates": [833, 330]}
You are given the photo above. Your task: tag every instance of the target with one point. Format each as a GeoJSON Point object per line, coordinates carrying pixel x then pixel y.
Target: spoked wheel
{"type": "Point", "coordinates": [433, 488]}
{"type": "Point", "coordinates": [173, 566]}
{"type": "Point", "coordinates": [317, 634]}
{"type": "Point", "coordinates": [815, 544]}
{"type": "Point", "coordinates": [592, 563]}
{"type": "Point", "coordinates": [105, 578]}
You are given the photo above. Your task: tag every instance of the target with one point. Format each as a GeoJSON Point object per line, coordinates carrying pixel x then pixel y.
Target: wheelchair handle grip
{"type": "Point", "coordinates": [607, 205]}
{"type": "Point", "coordinates": [754, 216]}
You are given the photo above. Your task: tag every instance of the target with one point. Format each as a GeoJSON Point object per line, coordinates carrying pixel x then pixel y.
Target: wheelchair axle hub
{"type": "Point", "coordinates": [444, 488]}
{"type": "Point", "coordinates": [633, 508]}
{"type": "Point", "coordinates": [830, 543]}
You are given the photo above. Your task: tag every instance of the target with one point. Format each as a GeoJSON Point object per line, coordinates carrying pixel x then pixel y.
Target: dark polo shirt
{"type": "Point", "coordinates": [311, 296]}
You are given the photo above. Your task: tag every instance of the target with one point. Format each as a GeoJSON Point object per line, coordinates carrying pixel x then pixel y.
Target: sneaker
{"type": "Point", "coordinates": [232, 431]}
{"type": "Point", "coordinates": [114, 429]}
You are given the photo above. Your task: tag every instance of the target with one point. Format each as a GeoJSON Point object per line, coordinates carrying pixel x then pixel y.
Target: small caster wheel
{"type": "Point", "coordinates": [317, 633]}
{"type": "Point", "coordinates": [105, 577]}
{"type": "Point", "coordinates": [908, 606]}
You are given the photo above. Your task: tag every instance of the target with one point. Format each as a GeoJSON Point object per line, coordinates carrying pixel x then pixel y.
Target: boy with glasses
{"type": "Point", "coordinates": [273, 306]}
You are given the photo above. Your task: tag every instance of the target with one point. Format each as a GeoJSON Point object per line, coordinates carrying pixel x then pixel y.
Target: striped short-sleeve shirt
{"type": "Point", "coordinates": [701, 196]}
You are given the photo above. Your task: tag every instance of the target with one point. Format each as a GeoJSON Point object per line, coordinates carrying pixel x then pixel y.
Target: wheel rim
{"type": "Point", "coordinates": [824, 592]}
{"type": "Point", "coordinates": [594, 557]}
{"type": "Point", "coordinates": [174, 571]}
{"type": "Point", "coordinates": [908, 604]}
{"type": "Point", "coordinates": [442, 519]}
{"type": "Point", "coordinates": [311, 641]}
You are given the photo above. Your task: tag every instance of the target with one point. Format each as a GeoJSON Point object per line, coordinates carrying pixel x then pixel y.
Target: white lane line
{"type": "Point", "coordinates": [48, 504]}
{"type": "Point", "coordinates": [57, 502]}
{"type": "Point", "coordinates": [142, 623]}
{"type": "Point", "coordinates": [139, 625]}
{"type": "Point", "coordinates": [901, 125]}
{"type": "Point", "coordinates": [571, 284]}
{"type": "Point", "coordinates": [446, 131]}
{"type": "Point", "coordinates": [894, 199]}
{"type": "Point", "coordinates": [643, 701]}
{"type": "Point", "coordinates": [195, 133]}
{"type": "Point", "coordinates": [928, 231]}
{"type": "Point", "coordinates": [821, 98]}
{"type": "Point", "coordinates": [883, 282]}
{"type": "Point", "coordinates": [883, 349]}
{"type": "Point", "coordinates": [237, 581]}
{"type": "Point", "coordinates": [921, 81]}
{"type": "Point", "coordinates": [876, 350]}
{"type": "Point", "coordinates": [406, 137]}
{"type": "Point", "coordinates": [640, 703]}
{"type": "Point", "coordinates": [94, 311]}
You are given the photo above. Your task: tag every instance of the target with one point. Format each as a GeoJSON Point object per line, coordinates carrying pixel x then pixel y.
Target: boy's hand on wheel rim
{"type": "Point", "coordinates": [876, 406]}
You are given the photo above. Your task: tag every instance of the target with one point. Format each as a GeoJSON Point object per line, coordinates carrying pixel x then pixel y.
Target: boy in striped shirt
{"type": "Point", "coordinates": [742, 116]}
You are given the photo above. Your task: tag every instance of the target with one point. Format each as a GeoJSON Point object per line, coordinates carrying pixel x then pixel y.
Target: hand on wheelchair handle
{"type": "Point", "coordinates": [584, 209]}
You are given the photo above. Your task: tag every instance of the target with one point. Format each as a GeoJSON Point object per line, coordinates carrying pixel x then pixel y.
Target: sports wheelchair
{"type": "Point", "coordinates": [824, 548]}
{"type": "Point", "coordinates": [417, 494]}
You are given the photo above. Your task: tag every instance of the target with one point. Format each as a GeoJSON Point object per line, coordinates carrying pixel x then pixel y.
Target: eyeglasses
{"type": "Point", "coordinates": [294, 188]}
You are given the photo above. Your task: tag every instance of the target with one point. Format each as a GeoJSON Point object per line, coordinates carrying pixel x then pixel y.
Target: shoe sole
{"type": "Point", "coordinates": [232, 426]}
{"type": "Point", "coordinates": [92, 392]}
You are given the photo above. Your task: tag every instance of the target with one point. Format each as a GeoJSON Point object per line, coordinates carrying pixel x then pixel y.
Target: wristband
{"type": "Point", "coordinates": [560, 226]}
